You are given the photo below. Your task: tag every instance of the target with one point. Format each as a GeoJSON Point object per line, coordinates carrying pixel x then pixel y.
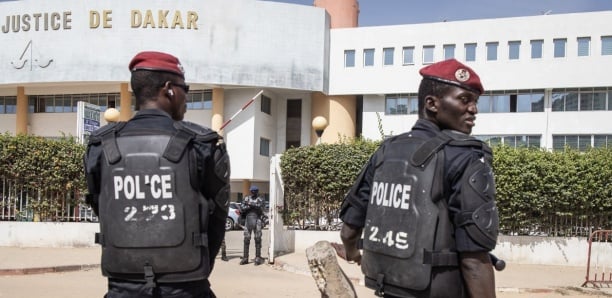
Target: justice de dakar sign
{"type": "Point", "coordinates": [46, 21]}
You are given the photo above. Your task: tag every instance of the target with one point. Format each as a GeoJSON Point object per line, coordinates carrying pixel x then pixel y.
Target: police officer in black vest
{"type": "Point", "coordinates": [252, 211]}
{"type": "Point", "coordinates": [425, 201]}
{"type": "Point", "coordinates": [160, 187]}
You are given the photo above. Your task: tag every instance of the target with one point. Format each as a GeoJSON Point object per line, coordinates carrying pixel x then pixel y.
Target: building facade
{"type": "Point", "coordinates": [547, 77]}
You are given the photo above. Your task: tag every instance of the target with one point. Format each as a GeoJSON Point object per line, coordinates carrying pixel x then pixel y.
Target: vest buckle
{"type": "Point", "coordinates": [149, 276]}
{"type": "Point", "coordinates": [380, 286]}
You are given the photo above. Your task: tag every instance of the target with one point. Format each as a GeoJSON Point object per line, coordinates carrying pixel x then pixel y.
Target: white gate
{"type": "Point", "coordinates": [281, 240]}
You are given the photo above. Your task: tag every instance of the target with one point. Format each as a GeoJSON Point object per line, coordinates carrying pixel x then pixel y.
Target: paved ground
{"type": "Point", "coordinates": [74, 272]}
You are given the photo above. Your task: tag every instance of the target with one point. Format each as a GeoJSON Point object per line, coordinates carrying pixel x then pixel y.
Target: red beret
{"type": "Point", "coordinates": [157, 61]}
{"type": "Point", "coordinates": [455, 73]}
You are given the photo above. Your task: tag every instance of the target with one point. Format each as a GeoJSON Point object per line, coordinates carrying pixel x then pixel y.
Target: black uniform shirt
{"type": "Point", "coordinates": [457, 159]}
{"type": "Point", "coordinates": [158, 120]}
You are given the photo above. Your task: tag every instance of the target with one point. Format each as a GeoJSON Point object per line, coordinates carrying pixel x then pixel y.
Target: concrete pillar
{"type": "Point", "coordinates": [246, 185]}
{"type": "Point", "coordinates": [343, 13]}
{"type": "Point", "coordinates": [340, 112]}
{"type": "Point", "coordinates": [218, 101]}
{"type": "Point", "coordinates": [125, 103]}
{"type": "Point", "coordinates": [21, 119]}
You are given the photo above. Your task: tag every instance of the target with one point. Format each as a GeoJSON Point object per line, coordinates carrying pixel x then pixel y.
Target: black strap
{"type": "Point", "coordinates": [380, 285]}
{"type": "Point", "coordinates": [440, 258]}
{"type": "Point", "coordinates": [429, 148]}
{"type": "Point", "coordinates": [99, 239]}
{"type": "Point", "coordinates": [109, 143]}
{"type": "Point", "coordinates": [200, 239]}
{"type": "Point", "coordinates": [463, 218]}
{"type": "Point", "coordinates": [149, 276]}
{"type": "Point", "coordinates": [178, 143]}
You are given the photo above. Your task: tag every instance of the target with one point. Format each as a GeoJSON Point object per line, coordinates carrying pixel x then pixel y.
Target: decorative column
{"type": "Point", "coordinates": [21, 118]}
{"type": "Point", "coordinates": [218, 101]}
{"type": "Point", "coordinates": [125, 103]}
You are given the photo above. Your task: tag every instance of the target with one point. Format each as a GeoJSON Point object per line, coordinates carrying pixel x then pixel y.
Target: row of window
{"type": "Point", "coordinates": [67, 103]}
{"type": "Point", "coordinates": [518, 101]}
{"type": "Point", "coordinates": [581, 142]}
{"type": "Point", "coordinates": [515, 141]}
{"type": "Point", "coordinates": [560, 142]}
{"type": "Point", "coordinates": [582, 99]}
{"type": "Point", "coordinates": [583, 48]}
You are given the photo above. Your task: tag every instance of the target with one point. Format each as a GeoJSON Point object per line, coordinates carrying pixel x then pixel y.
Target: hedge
{"type": "Point", "coordinates": [560, 193]}
{"type": "Point", "coordinates": [48, 171]}
{"type": "Point", "coordinates": [565, 193]}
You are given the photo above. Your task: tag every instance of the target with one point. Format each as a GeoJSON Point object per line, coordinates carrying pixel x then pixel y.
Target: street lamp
{"type": "Point", "coordinates": [111, 115]}
{"type": "Point", "coordinates": [319, 124]}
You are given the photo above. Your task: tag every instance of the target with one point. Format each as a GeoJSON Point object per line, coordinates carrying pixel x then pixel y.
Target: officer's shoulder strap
{"type": "Point", "coordinates": [446, 137]}
{"type": "Point", "coordinates": [107, 135]}
{"type": "Point", "coordinates": [429, 148]}
{"type": "Point", "coordinates": [185, 133]}
{"type": "Point", "coordinates": [463, 140]}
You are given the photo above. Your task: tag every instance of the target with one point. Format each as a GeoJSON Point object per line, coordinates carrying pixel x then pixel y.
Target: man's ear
{"type": "Point", "coordinates": [431, 103]}
{"type": "Point", "coordinates": [167, 90]}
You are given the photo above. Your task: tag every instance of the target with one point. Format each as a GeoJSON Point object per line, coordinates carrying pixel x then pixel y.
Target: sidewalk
{"type": "Point", "coordinates": [515, 278]}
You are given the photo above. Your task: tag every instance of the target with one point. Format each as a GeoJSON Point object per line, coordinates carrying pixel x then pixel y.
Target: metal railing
{"type": "Point", "coordinates": [20, 204]}
{"type": "Point", "coordinates": [600, 265]}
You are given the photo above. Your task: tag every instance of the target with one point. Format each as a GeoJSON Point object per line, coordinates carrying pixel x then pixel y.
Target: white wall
{"type": "Point", "coordinates": [232, 42]}
{"type": "Point", "coordinates": [7, 123]}
{"type": "Point", "coordinates": [513, 249]}
{"type": "Point", "coordinates": [503, 74]}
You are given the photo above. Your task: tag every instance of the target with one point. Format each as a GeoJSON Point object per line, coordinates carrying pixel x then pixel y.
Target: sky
{"type": "Point", "coordinates": [397, 12]}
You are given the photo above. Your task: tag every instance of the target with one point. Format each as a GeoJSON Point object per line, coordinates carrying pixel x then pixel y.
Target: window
{"type": "Point", "coordinates": [293, 130]}
{"type": "Point", "coordinates": [470, 52]}
{"type": "Point", "coordinates": [500, 103]}
{"type": "Point", "coordinates": [583, 99]}
{"type": "Point", "coordinates": [408, 54]}
{"type": "Point", "coordinates": [559, 44]}
{"type": "Point", "coordinates": [606, 45]}
{"type": "Point", "coordinates": [264, 147]}
{"type": "Point", "coordinates": [199, 100]}
{"type": "Point", "coordinates": [428, 54]}
{"type": "Point", "coordinates": [512, 101]}
{"type": "Point", "coordinates": [349, 58]}
{"type": "Point", "coordinates": [595, 101]}
{"type": "Point", "coordinates": [528, 102]}
{"type": "Point", "coordinates": [449, 51]}
{"type": "Point", "coordinates": [581, 142]}
{"type": "Point", "coordinates": [388, 56]}
{"type": "Point", "coordinates": [584, 46]}
{"type": "Point", "coordinates": [8, 104]}
{"type": "Point", "coordinates": [512, 140]}
{"type": "Point", "coordinates": [602, 141]}
{"type": "Point", "coordinates": [402, 104]}
{"type": "Point", "coordinates": [266, 105]}
{"type": "Point", "coordinates": [368, 57]}
{"type": "Point", "coordinates": [67, 103]}
{"type": "Point", "coordinates": [536, 49]}
{"type": "Point", "coordinates": [492, 51]}
{"type": "Point", "coordinates": [514, 50]}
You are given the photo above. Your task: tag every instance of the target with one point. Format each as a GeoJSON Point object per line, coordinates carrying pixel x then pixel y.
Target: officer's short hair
{"type": "Point", "coordinates": [146, 84]}
{"type": "Point", "coordinates": [431, 87]}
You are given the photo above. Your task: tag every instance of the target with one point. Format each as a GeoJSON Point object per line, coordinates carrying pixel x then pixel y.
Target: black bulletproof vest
{"type": "Point", "coordinates": [152, 220]}
{"type": "Point", "coordinates": [407, 244]}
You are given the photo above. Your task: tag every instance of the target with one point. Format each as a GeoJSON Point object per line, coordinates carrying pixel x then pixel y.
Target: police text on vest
{"type": "Point", "coordinates": [143, 186]}
{"type": "Point", "coordinates": [391, 195]}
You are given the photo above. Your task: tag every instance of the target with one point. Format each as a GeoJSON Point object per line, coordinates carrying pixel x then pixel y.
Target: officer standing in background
{"type": "Point", "coordinates": [425, 201]}
{"type": "Point", "coordinates": [160, 187]}
{"type": "Point", "coordinates": [252, 210]}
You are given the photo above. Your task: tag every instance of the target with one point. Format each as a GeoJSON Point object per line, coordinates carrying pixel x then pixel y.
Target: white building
{"type": "Point", "coordinates": [547, 77]}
